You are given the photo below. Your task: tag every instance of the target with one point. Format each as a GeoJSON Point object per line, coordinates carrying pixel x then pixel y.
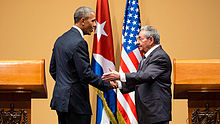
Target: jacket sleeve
{"type": "Point", "coordinates": [127, 88]}
{"type": "Point", "coordinates": [157, 65]}
{"type": "Point", "coordinates": [52, 68]}
{"type": "Point", "coordinates": [83, 67]}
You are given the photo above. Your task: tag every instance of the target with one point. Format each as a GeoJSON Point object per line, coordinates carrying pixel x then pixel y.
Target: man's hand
{"type": "Point", "coordinates": [113, 85]}
{"type": "Point", "coordinates": [111, 76]}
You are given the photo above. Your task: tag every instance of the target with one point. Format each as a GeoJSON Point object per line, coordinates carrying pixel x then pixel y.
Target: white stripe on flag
{"type": "Point", "coordinates": [137, 53]}
{"type": "Point", "coordinates": [104, 63]}
{"type": "Point", "coordinates": [131, 94]}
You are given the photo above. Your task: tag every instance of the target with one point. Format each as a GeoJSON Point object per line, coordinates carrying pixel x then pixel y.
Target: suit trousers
{"type": "Point", "coordinates": [73, 118]}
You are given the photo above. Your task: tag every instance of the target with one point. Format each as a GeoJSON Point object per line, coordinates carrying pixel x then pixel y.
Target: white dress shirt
{"type": "Point", "coordinates": [80, 31]}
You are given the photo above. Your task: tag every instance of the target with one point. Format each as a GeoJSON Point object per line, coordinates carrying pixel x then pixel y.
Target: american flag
{"type": "Point", "coordinates": [130, 58]}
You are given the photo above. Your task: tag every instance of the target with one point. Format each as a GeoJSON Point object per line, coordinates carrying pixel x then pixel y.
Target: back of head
{"type": "Point", "coordinates": [151, 32]}
{"type": "Point", "coordinates": [82, 12]}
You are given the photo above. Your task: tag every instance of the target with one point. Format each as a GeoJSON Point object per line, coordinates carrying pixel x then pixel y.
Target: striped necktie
{"type": "Point", "coordinates": [142, 61]}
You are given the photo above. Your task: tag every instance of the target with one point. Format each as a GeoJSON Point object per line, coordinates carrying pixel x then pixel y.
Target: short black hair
{"type": "Point", "coordinates": [82, 12]}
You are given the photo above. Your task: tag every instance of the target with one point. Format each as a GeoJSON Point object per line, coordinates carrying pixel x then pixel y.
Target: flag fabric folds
{"type": "Point", "coordinates": [102, 60]}
{"type": "Point", "coordinates": [130, 58]}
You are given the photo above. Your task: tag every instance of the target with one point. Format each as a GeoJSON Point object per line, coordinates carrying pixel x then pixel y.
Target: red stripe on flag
{"type": "Point", "coordinates": [123, 113]}
{"type": "Point", "coordinates": [131, 104]}
{"type": "Point", "coordinates": [133, 59]}
{"type": "Point", "coordinates": [124, 66]}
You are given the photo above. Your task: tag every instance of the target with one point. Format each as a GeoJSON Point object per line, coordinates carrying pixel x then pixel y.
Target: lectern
{"type": "Point", "coordinates": [199, 82]}
{"type": "Point", "coordinates": [20, 81]}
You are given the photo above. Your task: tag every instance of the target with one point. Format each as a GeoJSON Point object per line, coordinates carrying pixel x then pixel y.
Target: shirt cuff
{"type": "Point", "coordinates": [119, 84]}
{"type": "Point", "coordinates": [122, 77]}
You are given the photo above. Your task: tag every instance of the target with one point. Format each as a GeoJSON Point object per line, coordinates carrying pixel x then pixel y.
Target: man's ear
{"type": "Point", "coordinates": [82, 20]}
{"type": "Point", "coordinates": [151, 40]}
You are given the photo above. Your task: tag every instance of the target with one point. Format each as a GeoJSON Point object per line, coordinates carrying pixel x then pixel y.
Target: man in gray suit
{"type": "Point", "coordinates": [151, 82]}
{"type": "Point", "coordinates": [70, 68]}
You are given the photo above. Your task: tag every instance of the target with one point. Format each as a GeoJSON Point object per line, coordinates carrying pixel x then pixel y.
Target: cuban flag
{"type": "Point", "coordinates": [102, 60]}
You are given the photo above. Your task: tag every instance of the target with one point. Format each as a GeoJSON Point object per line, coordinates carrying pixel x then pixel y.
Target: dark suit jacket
{"type": "Point", "coordinates": [152, 86]}
{"type": "Point", "coordinates": [70, 68]}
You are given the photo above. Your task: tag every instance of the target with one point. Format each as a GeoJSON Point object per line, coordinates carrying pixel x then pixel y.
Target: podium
{"type": "Point", "coordinates": [20, 81]}
{"type": "Point", "coordinates": [199, 82]}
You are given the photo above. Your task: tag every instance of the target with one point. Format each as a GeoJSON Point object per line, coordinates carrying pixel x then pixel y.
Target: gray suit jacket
{"type": "Point", "coordinates": [152, 86]}
{"type": "Point", "coordinates": [70, 68]}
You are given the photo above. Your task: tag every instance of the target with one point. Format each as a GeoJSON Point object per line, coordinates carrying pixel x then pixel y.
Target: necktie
{"type": "Point", "coordinates": [142, 61]}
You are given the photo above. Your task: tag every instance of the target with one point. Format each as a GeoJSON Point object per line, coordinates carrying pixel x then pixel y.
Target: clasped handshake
{"type": "Point", "coordinates": [112, 76]}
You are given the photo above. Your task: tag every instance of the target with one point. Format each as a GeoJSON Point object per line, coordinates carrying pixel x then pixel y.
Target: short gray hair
{"type": "Point", "coordinates": [82, 12]}
{"type": "Point", "coordinates": [151, 32]}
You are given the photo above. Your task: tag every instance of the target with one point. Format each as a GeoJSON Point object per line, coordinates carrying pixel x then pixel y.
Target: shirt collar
{"type": "Point", "coordinates": [80, 31]}
{"type": "Point", "coordinates": [149, 51]}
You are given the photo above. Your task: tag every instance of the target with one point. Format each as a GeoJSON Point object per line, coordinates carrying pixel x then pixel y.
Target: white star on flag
{"type": "Point", "coordinates": [131, 35]}
{"type": "Point", "coordinates": [132, 28]}
{"type": "Point", "coordinates": [135, 16]}
{"type": "Point", "coordinates": [127, 27]}
{"type": "Point", "coordinates": [100, 30]}
{"type": "Point", "coordinates": [129, 21]}
{"type": "Point", "coordinates": [133, 2]}
{"type": "Point", "coordinates": [128, 47]}
{"type": "Point", "coordinates": [134, 22]}
{"type": "Point", "coordinates": [135, 42]}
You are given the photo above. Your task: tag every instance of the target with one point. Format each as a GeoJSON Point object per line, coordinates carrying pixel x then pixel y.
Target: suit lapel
{"type": "Point", "coordinates": [145, 61]}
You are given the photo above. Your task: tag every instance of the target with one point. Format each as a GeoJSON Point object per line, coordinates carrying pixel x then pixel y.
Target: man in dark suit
{"type": "Point", "coordinates": [70, 68]}
{"type": "Point", "coordinates": [151, 82]}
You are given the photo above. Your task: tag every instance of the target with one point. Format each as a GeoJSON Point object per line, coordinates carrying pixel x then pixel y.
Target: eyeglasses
{"type": "Point", "coordinates": [142, 39]}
